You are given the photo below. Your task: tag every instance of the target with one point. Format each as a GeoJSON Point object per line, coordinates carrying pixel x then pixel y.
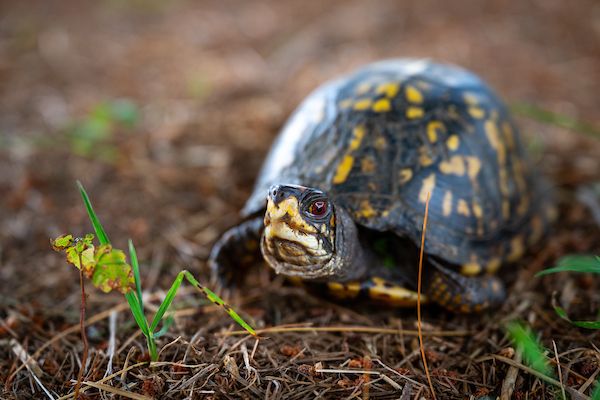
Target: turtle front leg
{"type": "Point", "coordinates": [235, 251]}
{"type": "Point", "coordinates": [464, 294]}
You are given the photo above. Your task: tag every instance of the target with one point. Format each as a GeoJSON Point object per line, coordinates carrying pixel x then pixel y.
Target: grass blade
{"type": "Point", "coordinates": [210, 295]}
{"type": "Point", "coordinates": [138, 315]}
{"type": "Point", "coordinates": [100, 233]}
{"type": "Point", "coordinates": [533, 351]}
{"type": "Point", "coordinates": [574, 263]}
{"type": "Point", "coordinates": [167, 301]}
{"type": "Point", "coordinates": [563, 314]}
{"type": "Point", "coordinates": [136, 274]}
{"type": "Point", "coordinates": [549, 117]}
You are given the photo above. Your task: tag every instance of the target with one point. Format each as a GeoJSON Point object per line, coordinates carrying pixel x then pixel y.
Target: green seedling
{"type": "Point", "coordinates": [108, 270]}
{"type": "Point", "coordinates": [541, 115]}
{"type": "Point", "coordinates": [574, 263]}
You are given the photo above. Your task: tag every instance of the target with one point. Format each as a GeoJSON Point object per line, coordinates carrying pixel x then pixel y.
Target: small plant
{"type": "Point", "coordinates": [574, 263]}
{"type": "Point", "coordinates": [108, 270]}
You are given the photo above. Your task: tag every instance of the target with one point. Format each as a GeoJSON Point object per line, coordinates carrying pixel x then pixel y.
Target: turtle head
{"type": "Point", "coordinates": [300, 232]}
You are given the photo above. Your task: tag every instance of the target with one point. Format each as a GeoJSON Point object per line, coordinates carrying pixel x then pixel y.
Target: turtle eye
{"type": "Point", "coordinates": [318, 208]}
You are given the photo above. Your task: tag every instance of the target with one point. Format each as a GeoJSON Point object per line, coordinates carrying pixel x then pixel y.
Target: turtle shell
{"type": "Point", "coordinates": [380, 140]}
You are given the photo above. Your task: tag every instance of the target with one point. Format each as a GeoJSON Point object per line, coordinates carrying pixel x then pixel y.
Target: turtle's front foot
{"type": "Point", "coordinates": [464, 294]}
{"type": "Point", "coordinates": [235, 251]}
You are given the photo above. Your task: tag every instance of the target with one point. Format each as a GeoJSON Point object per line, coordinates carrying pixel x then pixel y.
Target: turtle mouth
{"type": "Point", "coordinates": [294, 259]}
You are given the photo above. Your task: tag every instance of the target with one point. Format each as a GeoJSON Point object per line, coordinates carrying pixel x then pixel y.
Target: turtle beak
{"type": "Point", "coordinates": [283, 212]}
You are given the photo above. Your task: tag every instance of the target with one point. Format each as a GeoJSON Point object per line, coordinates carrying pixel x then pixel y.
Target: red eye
{"type": "Point", "coordinates": [318, 208]}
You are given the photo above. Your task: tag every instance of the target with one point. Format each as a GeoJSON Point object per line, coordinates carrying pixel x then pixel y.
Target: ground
{"type": "Point", "coordinates": [209, 84]}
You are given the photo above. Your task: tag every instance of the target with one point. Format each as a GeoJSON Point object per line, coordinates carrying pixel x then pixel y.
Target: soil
{"type": "Point", "coordinates": [209, 84]}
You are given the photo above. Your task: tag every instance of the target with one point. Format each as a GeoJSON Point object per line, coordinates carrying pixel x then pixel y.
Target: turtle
{"type": "Point", "coordinates": [339, 202]}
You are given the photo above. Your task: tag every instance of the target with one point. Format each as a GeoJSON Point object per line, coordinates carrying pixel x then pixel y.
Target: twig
{"type": "Point", "coordinates": [353, 329]}
{"type": "Point", "coordinates": [115, 390]}
{"type": "Point", "coordinates": [562, 386]}
{"type": "Point", "coordinates": [419, 297]}
{"type": "Point", "coordinates": [82, 329]}
{"type": "Point", "coordinates": [29, 363]}
{"type": "Point", "coordinates": [112, 324]}
{"type": "Point", "coordinates": [508, 386]}
{"type": "Point", "coordinates": [574, 393]}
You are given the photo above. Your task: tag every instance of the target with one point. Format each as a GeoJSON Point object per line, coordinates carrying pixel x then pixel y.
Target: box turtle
{"type": "Point", "coordinates": [347, 179]}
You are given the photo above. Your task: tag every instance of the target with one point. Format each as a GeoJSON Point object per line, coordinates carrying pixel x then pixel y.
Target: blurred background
{"type": "Point", "coordinates": [164, 110]}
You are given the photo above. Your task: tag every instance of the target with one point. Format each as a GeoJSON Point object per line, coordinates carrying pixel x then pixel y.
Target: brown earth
{"type": "Point", "coordinates": [213, 81]}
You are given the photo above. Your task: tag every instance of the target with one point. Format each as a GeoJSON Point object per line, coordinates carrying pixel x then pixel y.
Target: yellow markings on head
{"type": "Point", "coordinates": [432, 130]}
{"type": "Point", "coordinates": [363, 88]}
{"type": "Point", "coordinates": [463, 208]}
{"type": "Point", "coordinates": [505, 209]}
{"type": "Point", "coordinates": [343, 170]}
{"type": "Point", "coordinates": [389, 89]}
{"type": "Point", "coordinates": [427, 188]}
{"type": "Point", "coordinates": [382, 105]}
{"type": "Point", "coordinates": [358, 133]}
{"type": "Point", "coordinates": [380, 143]}
{"type": "Point", "coordinates": [362, 104]}
{"type": "Point", "coordinates": [476, 112]}
{"type": "Point", "coordinates": [414, 112]}
{"type": "Point", "coordinates": [447, 203]}
{"type": "Point", "coordinates": [344, 290]}
{"type": "Point", "coordinates": [453, 142]}
{"type": "Point", "coordinates": [366, 210]}
{"type": "Point", "coordinates": [367, 165]}
{"type": "Point", "coordinates": [405, 175]}
{"type": "Point", "coordinates": [425, 159]}
{"type": "Point", "coordinates": [470, 269]}
{"type": "Point", "coordinates": [288, 209]}
{"type": "Point", "coordinates": [455, 165]}
{"type": "Point", "coordinates": [517, 248]}
{"type": "Point", "coordinates": [413, 95]}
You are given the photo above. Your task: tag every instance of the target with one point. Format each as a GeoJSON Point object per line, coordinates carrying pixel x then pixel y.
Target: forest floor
{"type": "Point", "coordinates": [208, 85]}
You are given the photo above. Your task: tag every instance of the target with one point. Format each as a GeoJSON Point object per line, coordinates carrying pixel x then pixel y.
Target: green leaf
{"type": "Point", "coordinates": [575, 263]}
{"type": "Point", "coordinates": [164, 306]}
{"type": "Point", "coordinates": [533, 351]}
{"type": "Point", "coordinates": [74, 247]}
{"type": "Point", "coordinates": [136, 273]}
{"type": "Point", "coordinates": [112, 270]}
{"type": "Point", "coordinates": [596, 392]}
{"type": "Point", "coordinates": [102, 236]}
{"type": "Point", "coordinates": [138, 315]}
{"type": "Point", "coordinates": [563, 314]}
{"type": "Point", "coordinates": [218, 301]}
{"type": "Point", "coordinates": [62, 242]}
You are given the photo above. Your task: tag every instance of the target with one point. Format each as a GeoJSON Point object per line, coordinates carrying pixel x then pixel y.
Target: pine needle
{"type": "Point", "coordinates": [419, 297]}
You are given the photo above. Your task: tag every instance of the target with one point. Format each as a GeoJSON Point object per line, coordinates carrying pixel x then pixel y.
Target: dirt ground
{"type": "Point", "coordinates": [209, 85]}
